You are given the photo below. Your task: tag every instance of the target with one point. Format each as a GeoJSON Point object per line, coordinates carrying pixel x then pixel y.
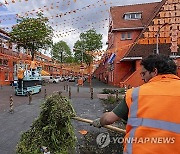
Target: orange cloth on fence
{"type": "Point", "coordinates": [80, 81]}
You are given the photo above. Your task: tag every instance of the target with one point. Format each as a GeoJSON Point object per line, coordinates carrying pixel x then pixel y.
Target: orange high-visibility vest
{"type": "Point", "coordinates": [153, 125]}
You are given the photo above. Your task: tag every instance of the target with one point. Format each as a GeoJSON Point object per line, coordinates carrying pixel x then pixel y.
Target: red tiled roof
{"type": "Point", "coordinates": [117, 13]}
{"type": "Point", "coordinates": [143, 50]}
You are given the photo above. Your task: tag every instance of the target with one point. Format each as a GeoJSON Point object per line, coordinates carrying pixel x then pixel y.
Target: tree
{"type": "Point", "coordinates": [89, 41]}
{"type": "Point", "coordinates": [32, 34]}
{"type": "Point", "coordinates": [62, 52]}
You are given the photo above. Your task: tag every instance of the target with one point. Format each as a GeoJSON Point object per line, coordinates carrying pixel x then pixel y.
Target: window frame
{"type": "Point", "coordinates": [123, 36]}
{"type": "Point", "coordinates": [126, 36]}
{"type": "Point", "coordinates": [129, 34]}
{"type": "Point", "coordinates": [133, 16]}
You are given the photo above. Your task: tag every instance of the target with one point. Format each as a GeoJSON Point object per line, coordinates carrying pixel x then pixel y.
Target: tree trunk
{"type": "Point", "coordinates": [61, 57]}
{"type": "Point", "coordinates": [32, 55]}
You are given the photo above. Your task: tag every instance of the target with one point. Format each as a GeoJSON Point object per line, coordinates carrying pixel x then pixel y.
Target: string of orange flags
{"type": "Point", "coordinates": [14, 1]}
{"type": "Point", "coordinates": [95, 5]}
{"type": "Point", "coordinates": [52, 6]}
{"type": "Point", "coordinates": [73, 21]}
{"type": "Point", "coordinates": [86, 25]}
{"type": "Point", "coordinates": [64, 34]}
{"type": "Point", "coordinates": [76, 21]}
{"type": "Point", "coordinates": [91, 24]}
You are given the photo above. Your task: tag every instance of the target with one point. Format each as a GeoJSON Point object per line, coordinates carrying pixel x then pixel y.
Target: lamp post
{"type": "Point", "coordinates": [157, 38]}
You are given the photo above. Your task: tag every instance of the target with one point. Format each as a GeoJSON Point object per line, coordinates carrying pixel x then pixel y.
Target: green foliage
{"type": "Point", "coordinates": [113, 91]}
{"type": "Point", "coordinates": [62, 52]}
{"type": "Point", "coordinates": [32, 34]}
{"type": "Point", "coordinates": [89, 41]}
{"type": "Point", "coordinates": [52, 129]}
{"type": "Point", "coordinates": [108, 91]}
{"type": "Point", "coordinates": [122, 90]}
{"type": "Point", "coordinates": [111, 99]}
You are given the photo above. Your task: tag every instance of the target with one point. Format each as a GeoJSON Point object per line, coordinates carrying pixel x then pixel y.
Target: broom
{"type": "Point", "coordinates": [113, 128]}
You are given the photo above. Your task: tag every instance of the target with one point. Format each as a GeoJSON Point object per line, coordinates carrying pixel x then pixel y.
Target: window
{"type": "Point", "coordinates": [5, 62]}
{"type": "Point", "coordinates": [132, 16]}
{"type": "Point", "coordinates": [6, 76]}
{"type": "Point", "coordinates": [129, 37]}
{"type": "Point", "coordinates": [123, 36]}
{"type": "Point", "coordinates": [14, 63]}
{"type": "Point", "coordinates": [1, 61]}
{"type": "Point", "coordinates": [126, 36]}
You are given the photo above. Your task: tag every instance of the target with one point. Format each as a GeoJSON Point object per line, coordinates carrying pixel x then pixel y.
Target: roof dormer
{"type": "Point", "coordinates": [132, 15]}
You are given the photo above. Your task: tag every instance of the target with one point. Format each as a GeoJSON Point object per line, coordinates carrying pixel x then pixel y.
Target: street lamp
{"type": "Point", "coordinates": [157, 38]}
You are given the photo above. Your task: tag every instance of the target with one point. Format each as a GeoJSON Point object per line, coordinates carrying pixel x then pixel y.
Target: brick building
{"type": "Point", "coordinates": [9, 56]}
{"type": "Point", "coordinates": [135, 31]}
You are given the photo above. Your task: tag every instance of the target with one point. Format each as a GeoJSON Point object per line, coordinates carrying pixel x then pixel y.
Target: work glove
{"type": "Point", "coordinates": [97, 123]}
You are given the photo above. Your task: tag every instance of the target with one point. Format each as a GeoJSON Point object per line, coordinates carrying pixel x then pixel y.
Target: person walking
{"type": "Point", "coordinates": [151, 110]}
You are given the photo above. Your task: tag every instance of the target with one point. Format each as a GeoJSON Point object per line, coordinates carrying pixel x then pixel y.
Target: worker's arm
{"type": "Point", "coordinates": [109, 118]}
{"type": "Point", "coordinates": [120, 111]}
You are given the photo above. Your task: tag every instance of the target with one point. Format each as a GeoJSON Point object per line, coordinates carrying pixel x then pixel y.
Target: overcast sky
{"type": "Point", "coordinates": [68, 18]}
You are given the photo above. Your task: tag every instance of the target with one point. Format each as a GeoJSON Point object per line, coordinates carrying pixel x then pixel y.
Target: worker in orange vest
{"type": "Point", "coordinates": [20, 73]}
{"type": "Point", "coordinates": [151, 110]}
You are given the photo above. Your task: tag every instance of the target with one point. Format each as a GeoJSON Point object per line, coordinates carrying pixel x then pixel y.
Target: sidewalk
{"type": "Point", "coordinates": [12, 125]}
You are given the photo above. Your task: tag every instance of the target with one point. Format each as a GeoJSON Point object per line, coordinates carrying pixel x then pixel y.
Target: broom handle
{"type": "Point", "coordinates": [106, 126]}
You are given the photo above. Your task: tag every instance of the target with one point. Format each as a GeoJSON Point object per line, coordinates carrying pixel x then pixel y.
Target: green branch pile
{"type": "Point", "coordinates": [52, 129]}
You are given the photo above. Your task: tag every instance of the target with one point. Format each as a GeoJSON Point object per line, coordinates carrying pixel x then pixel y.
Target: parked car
{"type": "Point", "coordinates": [60, 78]}
{"type": "Point", "coordinates": [72, 79]}
{"type": "Point", "coordinates": [53, 80]}
{"type": "Point", "coordinates": [66, 78]}
{"type": "Point", "coordinates": [49, 79]}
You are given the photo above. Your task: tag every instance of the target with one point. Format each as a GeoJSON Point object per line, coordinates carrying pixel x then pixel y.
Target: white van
{"type": "Point", "coordinates": [49, 79]}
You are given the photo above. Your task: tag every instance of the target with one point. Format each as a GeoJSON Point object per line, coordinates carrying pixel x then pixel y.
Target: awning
{"type": "Point", "coordinates": [44, 73]}
{"type": "Point", "coordinates": [130, 58]}
{"type": "Point", "coordinates": [111, 59]}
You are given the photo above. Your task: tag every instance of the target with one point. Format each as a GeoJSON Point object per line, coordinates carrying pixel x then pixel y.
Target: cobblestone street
{"type": "Point", "coordinates": [11, 125]}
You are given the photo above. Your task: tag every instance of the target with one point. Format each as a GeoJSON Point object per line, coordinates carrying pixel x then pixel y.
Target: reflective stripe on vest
{"type": "Point", "coordinates": [159, 124]}
{"type": "Point", "coordinates": [136, 122]}
{"type": "Point", "coordinates": [133, 114]}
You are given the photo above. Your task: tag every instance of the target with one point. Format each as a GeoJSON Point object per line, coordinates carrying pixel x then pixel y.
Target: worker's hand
{"type": "Point", "coordinates": [97, 123]}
